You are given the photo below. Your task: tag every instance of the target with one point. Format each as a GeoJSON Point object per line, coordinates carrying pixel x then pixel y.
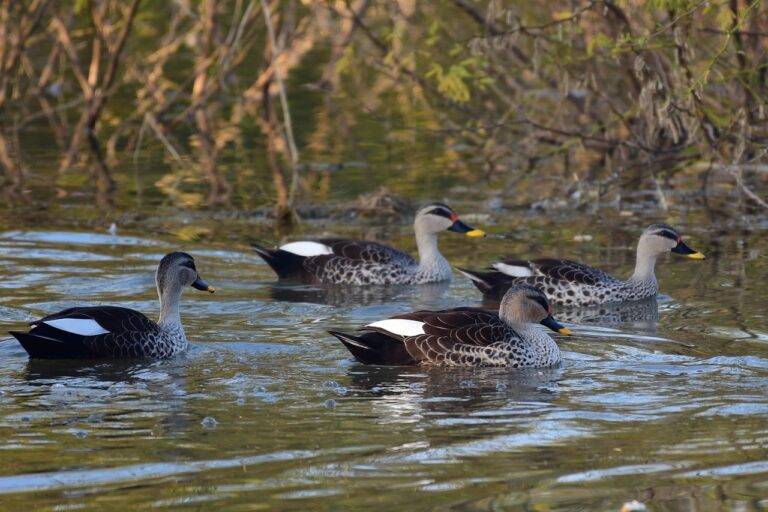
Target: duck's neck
{"type": "Point", "coordinates": [170, 318]}
{"type": "Point", "coordinates": [431, 262]}
{"type": "Point", "coordinates": [644, 266]}
{"type": "Point", "coordinates": [526, 330]}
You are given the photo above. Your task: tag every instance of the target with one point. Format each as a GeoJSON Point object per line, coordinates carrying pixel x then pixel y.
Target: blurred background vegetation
{"type": "Point", "coordinates": [117, 105]}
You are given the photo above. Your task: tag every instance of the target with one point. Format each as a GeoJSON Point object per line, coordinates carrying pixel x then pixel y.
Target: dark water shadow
{"type": "Point", "coordinates": [103, 370]}
{"type": "Point", "coordinates": [346, 295]}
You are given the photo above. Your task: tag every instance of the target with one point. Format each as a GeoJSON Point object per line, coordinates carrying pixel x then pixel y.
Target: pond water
{"type": "Point", "coordinates": [665, 403]}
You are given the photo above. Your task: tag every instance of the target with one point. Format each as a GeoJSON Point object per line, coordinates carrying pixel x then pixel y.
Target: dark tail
{"type": "Point", "coordinates": [41, 347]}
{"type": "Point", "coordinates": [285, 264]}
{"type": "Point", "coordinates": [492, 284]}
{"type": "Point", "coordinates": [375, 348]}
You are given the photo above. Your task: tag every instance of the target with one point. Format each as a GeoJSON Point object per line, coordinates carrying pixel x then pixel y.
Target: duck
{"type": "Point", "coordinates": [570, 283]}
{"type": "Point", "coordinates": [94, 332]}
{"type": "Point", "coordinates": [465, 336]}
{"type": "Point", "coordinates": [360, 262]}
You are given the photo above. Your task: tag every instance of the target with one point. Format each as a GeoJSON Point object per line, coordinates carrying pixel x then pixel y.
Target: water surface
{"type": "Point", "coordinates": [664, 403]}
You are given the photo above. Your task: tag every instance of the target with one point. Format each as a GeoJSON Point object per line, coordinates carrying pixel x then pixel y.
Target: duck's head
{"type": "Point", "coordinates": [437, 217]}
{"type": "Point", "coordinates": [177, 271]}
{"type": "Point", "coordinates": [660, 238]}
{"type": "Point", "coordinates": [526, 304]}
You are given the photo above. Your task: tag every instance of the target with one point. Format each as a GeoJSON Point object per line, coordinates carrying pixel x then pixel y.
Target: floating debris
{"type": "Point", "coordinates": [582, 238]}
{"type": "Point", "coordinates": [633, 506]}
{"type": "Point", "coordinates": [79, 433]}
{"type": "Point", "coordinates": [209, 422]}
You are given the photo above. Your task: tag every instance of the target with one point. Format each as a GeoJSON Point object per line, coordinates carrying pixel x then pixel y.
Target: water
{"type": "Point", "coordinates": [665, 404]}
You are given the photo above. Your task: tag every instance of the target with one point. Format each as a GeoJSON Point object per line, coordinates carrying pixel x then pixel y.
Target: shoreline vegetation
{"type": "Point", "coordinates": [254, 105]}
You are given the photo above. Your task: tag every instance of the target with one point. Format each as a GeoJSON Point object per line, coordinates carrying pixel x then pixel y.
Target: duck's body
{"type": "Point", "coordinates": [565, 282]}
{"type": "Point", "coordinates": [570, 283]}
{"type": "Point", "coordinates": [463, 336]}
{"type": "Point", "coordinates": [116, 332]}
{"type": "Point", "coordinates": [101, 332]}
{"type": "Point", "coordinates": [360, 262]}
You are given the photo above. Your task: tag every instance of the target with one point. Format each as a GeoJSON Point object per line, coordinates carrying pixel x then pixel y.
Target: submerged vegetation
{"type": "Point", "coordinates": [261, 102]}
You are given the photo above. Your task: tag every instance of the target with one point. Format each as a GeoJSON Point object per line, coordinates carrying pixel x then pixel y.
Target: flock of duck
{"type": "Point", "coordinates": [464, 336]}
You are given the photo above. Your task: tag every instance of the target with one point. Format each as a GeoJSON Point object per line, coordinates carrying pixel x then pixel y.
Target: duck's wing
{"type": "Point", "coordinates": [367, 251]}
{"type": "Point", "coordinates": [453, 337]}
{"type": "Point", "coordinates": [562, 270]}
{"type": "Point", "coordinates": [460, 336]}
{"type": "Point", "coordinates": [326, 259]}
{"type": "Point", "coordinates": [82, 332]}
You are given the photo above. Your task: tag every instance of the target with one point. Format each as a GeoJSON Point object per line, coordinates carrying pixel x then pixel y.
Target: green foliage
{"type": "Point", "coordinates": [81, 6]}
{"type": "Point", "coordinates": [455, 81]}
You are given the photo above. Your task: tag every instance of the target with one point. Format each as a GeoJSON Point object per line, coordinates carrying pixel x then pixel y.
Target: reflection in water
{"type": "Point", "coordinates": [639, 314]}
{"type": "Point", "coordinates": [93, 369]}
{"type": "Point", "coordinates": [406, 391]}
{"type": "Point", "coordinates": [341, 295]}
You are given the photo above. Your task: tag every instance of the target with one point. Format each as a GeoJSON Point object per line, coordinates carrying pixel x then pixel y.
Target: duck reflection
{"type": "Point", "coordinates": [405, 394]}
{"type": "Point", "coordinates": [105, 372]}
{"type": "Point", "coordinates": [106, 390]}
{"type": "Point", "coordinates": [638, 314]}
{"type": "Point", "coordinates": [345, 295]}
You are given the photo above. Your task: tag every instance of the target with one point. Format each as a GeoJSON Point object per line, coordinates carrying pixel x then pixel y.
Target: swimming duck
{"type": "Point", "coordinates": [569, 283]}
{"type": "Point", "coordinates": [359, 262]}
{"type": "Point", "coordinates": [115, 332]}
{"type": "Point", "coordinates": [464, 336]}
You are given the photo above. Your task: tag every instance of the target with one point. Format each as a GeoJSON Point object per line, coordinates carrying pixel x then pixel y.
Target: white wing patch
{"type": "Point", "coordinates": [81, 326]}
{"type": "Point", "coordinates": [400, 326]}
{"type": "Point", "coordinates": [513, 270]}
{"type": "Point", "coordinates": [307, 248]}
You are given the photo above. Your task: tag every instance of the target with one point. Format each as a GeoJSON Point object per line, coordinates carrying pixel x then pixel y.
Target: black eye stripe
{"type": "Point", "coordinates": [667, 234]}
{"type": "Point", "coordinates": [442, 212]}
{"type": "Point", "coordinates": [541, 300]}
{"type": "Point", "coordinates": [189, 264]}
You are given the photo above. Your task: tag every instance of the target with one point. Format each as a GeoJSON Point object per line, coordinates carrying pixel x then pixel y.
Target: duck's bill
{"type": "Point", "coordinates": [460, 227]}
{"type": "Point", "coordinates": [686, 251]}
{"type": "Point", "coordinates": [201, 285]}
{"type": "Point", "coordinates": [552, 324]}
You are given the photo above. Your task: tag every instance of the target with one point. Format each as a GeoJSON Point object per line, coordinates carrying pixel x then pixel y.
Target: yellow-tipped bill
{"type": "Point", "coordinates": [682, 249]}
{"type": "Point", "coordinates": [460, 227]}
{"type": "Point", "coordinates": [201, 285]}
{"type": "Point", "coordinates": [553, 324]}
